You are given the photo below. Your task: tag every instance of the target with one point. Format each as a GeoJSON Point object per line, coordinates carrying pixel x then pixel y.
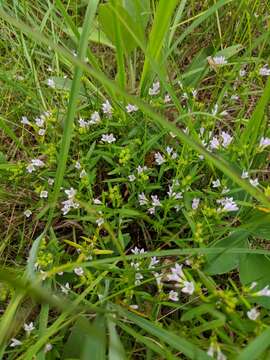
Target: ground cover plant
{"type": "Point", "coordinates": [134, 167]}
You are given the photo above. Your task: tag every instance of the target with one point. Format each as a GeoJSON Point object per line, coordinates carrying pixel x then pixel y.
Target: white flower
{"type": "Point", "coordinates": [226, 139]}
{"type": "Point", "coordinates": [30, 168]}
{"type": "Point", "coordinates": [79, 271]}
{"type": "Point", "coordinates": [37, 162]}
{"type": "Point", "coordinates": [214, 143]}
{"type": "Point", "coordinates": [194, 92]}
{"type": "Point", "coordinates": [153, 262]}
{"type": "Point", "coordinates": [70, 193]}
{"type": "Point", "coordinates": [159, 158]}
{"type": "Point", "coordinates": [220, 60]}
{"type": "Point", "coordinates": [51, 83]}
{"type": "Point", "coordinates": [152, 210]}
{"type": "Point", "coordinates": [167, 99]}
{"type": "Point", "coordinates": [169, 150]}
{"type": "Point", "coordinates": [174, 195]}
{"type": "Point", "coordinates": [172, 134]}
{"type": "Point", "coordinates": [15, 342]}
{"type": "Point", "coordinates": [48, 347]}
{"type": "Point", "coordinates": [107, 108]}
{"type": "Point", "coordinates": [83, 124]}
{"type": "Point", "coordinates": [43, 194]}
{"type": "Point", "coordinates": [195, 203]}
{"type": "Point", "coordinates": [234, 97]}
{"type": "Point", "coordinates": [27, 213]}
{"type": "Point", "coordinates": [242, 72]}
{"type": "Point", "coordinates": [216, 183]}
{"type": "Point", "coordinates": [138, 278]}
{"type": "Point", "coordinates": [142, 199]}
{"type": "Point", "coordinates": [264, 292]}
{"type": "Point", "coordinates": [215, 110]}
{"type": "Point", "coordinates": [155, 200]}
{"type": "Point", "coordinates": [41, 132]}
{"type": "Point", "coordinates": [134, 306]}
{"type": "Point", "coordinates": [39, 122]}
{"type": "Point", "coordinates": [141, 169]}
{"type": "Point", "coordinates": [25, 121]}
{"type": "Point", "coordinates": [228, 204]}
{"type": "Point", "coordinates": [244, 174]}
{"type": "Point", "coordinates": [220, 355]}
{"type": "Point", "coordinates": [65, 289]}
{"type": "Point", "coordinates": [83, 173]}
{"type": "Point", "coordinates": [254, 182]}
{"type": "Point", "coordinates": [264, 71]}
{"type": "Point", "coordinates": [211, 351]}
{"type": "Point", "coordinates": [97, 202]}
{"type": "Point", "coordinates": [176, 273]}
{"type": "Point", "coordinates": [137, 251]}
{"type": "Point", "coordinates": [253, 285]}
{"type": "Point", "coordinates": [135, 265]}
{"type": "Point", "coordinates": [109, 138]}
{"type": "Point", "coordinates": [131, 178]}
{"type": "Point", "coordinates": [29, 327]}
{"type": "Point", "coordinates": [155, 89]}
{"type": "Point", "coordinates": [253, 314]}
{"type": "Point", "coordinates": [173, 295]}
{"type": "Point", "coordinates": [99, 221]}
{"type": "Point", "coordinates": [225, 190]}
{"type": "Point", "coordinates": [78, 165]}
{"type": "Point", "coordinates": [188, 287]}
{"type": "Point", "coordinates": [131, 108]}
{"type": "Point", "coordinates": [264, 142]}
{"type": "Point", "coordinates": [95, 118]}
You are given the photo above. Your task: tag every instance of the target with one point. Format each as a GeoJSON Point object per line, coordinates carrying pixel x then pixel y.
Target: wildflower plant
{"type": "Point", "coordinates": [135, 208]}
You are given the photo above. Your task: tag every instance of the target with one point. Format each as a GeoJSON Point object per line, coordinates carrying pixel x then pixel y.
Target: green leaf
{"type": "Point", "coordinates": [255, 268]}
{"type": "Point", "coordinates": [256, 347]}
{"type": "Point", "coordinates": [116, 349]}
{"type": "Point", "coordinates": [224, 262]}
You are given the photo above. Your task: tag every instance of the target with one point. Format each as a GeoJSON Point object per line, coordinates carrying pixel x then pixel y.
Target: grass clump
{"type": "Point", "coordinates": [134, 180]}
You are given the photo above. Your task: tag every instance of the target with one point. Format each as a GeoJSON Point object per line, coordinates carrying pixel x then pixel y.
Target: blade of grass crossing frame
{"type": "Point", "coordinates": [74, 92]}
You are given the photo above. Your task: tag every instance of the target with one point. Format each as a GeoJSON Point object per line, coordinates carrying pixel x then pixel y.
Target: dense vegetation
{"type": "Point", "coordinates": [134, 167]}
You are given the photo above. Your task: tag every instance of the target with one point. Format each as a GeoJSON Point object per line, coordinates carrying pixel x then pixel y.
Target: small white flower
{"type": "Point", "coordinates": [195, 203]}
{"type": "Point", "coordinates": [211, 351]}
{"type": "Point", "coordinates": [244, 174]}
{"type": "Point", "coordinates": [135, 265]}
{"type": "Point", "coordinates": [253, 314]}
{"type": "Point", "coordinates": [172, 134]}
{"type": "Point", "coordinates": [176, 273]}
{"type": "Point", "coordinates": [137, 251]}
{"type": "Point", "coordinates": [39, 122]}
{"type": "Point", "coordinates": [108, 138]}
{"type": "Point", "coordinates": [264, 71]}
{"type": "Point", "coordinates": [225, 190]}
{"type": "Point", "coordinates": [70, 193]}
{"type": "Point", "coordinates": [95, 118]}
{"type": "Point", "coordinates": [43, 194]}
{"type": "Point", "coordinates": [264, 142]}
{"type": "Point", "coordinates": [216, 183]}
{"type": "Point", "coordinates": [27, 213]}
{"type": "Point", "coordinates": [264, 292]}
{"type": "Point", "coordinates": [48, 347]}
{"type": "Point", "coordinates": [25, 121]}
{"type": "Point", "coordinates": [51, 83]}
{"type": "Point", "coordinates": [188, 287]}
{"type": "Point", "coordinates": [141, 169]}
{"type": "Point", "coordinates": [214, 143]}
{"type": "Point", "coordinates": [173, 295]}
{"type": "Point", "coordinates": [228, 204]}
{"type": "Point", "coordinates": [142, 199]}
{"type": "Point", "coordinates": [152, 210]}
{"type": "Point", "coordinates": [99, 221]}
{"type": "Point", "coordinates": [83, 173]}
{"type": "Point", "coordinates": [254, 182]}
{"type": "Point", "coordinates": [28, 327]}
{"type": "Point", "coordinates": [97, 202]}
{"type": "Point", "coordinates": [220, 355]}
{"type": "Point", "coordinates": [226, 139]}
{"type": "Point", "coordinates": [41, 132]}
{"type": "Point", "coordinates": [30, 168]}
{"type": "Point", "coordinates": [134, 306]}
{"type": "Point", "coordinates": [15, 342]}
{"type": "Point", "coordinates": [235, 97]}
{"type": "Point", "coordinates": [242, 72]}
{"type": "Point", "coordinates": [253, 285]}
{"type": "Point", "coordinates": [138, 278]}
{"type": "Point", "coordinates": [83, 124]}
{"type": "Point", "coordinates": [79, 271]}
{"type": "Point", "coordinates": [107, 108]}
{"type": "Point", "coordinates": [131, 108]}
{"type": "Point", "coordinates": [155, 89]}
{"type": "Point", "coordinates": [78, 165]}
{"type": "Point", "coordinates": [155, 200]}
{"type": "Point", "coordinates": [220, 60]}
{"type": "Point", "coordinates": [131, 178]}
{"type": "Point", "coordinates": [65, 289]}
{"type": "Point", "coordinates": [37, 162]}
{"type": "Point", "coordinates": [159, 158]}
{"type": "Point", "coordinates": [154, 261]}
{"type": "Point", "coordinates": [167, 99]}
{"type": "Point", "coordinates": [186, 130]}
